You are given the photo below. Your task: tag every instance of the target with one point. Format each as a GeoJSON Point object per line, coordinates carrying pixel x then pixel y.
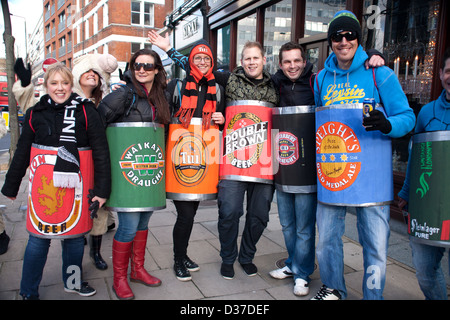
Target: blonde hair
{"type": "Point", "coordinates": [58, 68]}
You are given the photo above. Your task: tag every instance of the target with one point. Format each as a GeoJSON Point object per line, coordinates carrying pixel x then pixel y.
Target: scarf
{"type": "Point", "coordinates": [67, 166]}
{"type": "Point", "coordinates": [190, 94]}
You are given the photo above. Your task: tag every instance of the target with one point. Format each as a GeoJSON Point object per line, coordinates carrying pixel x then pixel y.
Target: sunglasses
{"type": "Point", "coordinates": [337, 37]}
{"type": "Point", "coordinates": [146, 66]}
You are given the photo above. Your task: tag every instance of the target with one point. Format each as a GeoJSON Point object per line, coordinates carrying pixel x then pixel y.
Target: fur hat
{"type": "Point", "coordinates": [344, 20]}
{"type": "Point", "coordinates": [102, 64]}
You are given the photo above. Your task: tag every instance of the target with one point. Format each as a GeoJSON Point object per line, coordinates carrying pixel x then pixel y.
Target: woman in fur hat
{"type": "Point", "coordinates": [91, 77]}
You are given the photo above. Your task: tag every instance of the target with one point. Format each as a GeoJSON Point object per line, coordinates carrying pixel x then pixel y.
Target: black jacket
{"type": "Point", "coordinates": [298, 93]}
{"type": "Point", "coordinates": [45, 129]}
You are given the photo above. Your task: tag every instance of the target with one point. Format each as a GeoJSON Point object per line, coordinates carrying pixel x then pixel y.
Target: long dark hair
{"type": "Point", "coordinates": [156, 96]}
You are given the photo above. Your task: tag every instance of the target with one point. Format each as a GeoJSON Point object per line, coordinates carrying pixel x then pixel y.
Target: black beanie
{"type": "Point", "coordinates": [344, 21]}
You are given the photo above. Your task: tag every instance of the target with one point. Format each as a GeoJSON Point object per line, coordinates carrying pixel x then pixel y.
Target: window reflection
{"type": "Point", "coordinates": [319, 13]}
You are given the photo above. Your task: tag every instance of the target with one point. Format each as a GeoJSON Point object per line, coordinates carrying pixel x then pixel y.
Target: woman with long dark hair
{"type": "Point", "coordinates": [141, 100]}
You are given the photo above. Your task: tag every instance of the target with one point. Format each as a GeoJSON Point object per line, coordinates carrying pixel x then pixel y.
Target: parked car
{"type": "Point", "coordinates": [5, 109]}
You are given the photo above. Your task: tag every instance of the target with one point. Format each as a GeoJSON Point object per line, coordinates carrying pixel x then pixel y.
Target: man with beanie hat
{"type": "Point", "coordinates": [345, 80]}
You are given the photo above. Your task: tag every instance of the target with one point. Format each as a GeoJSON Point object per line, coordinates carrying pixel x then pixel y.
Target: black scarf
{"type": "Point", "coordinates": [67, 166]}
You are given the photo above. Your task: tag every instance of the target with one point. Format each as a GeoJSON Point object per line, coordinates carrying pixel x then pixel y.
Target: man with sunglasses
{"type": "Point", "coordinates": [346, 80]}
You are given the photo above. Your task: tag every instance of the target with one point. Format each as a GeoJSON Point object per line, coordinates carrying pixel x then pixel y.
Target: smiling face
{"type": "Point", "coordinates": [202, 62]}
{"type": "Point", "coordinates": [253, 62]}
{"type": "Point", "coordinates": [445, 77]}
{"type": "Point", "coordinates": [89, 79]}
{"type": "Point", "coordinates": [344, 50]}
{"type": "Point", "coordinates": [145, 77]}
{"type": "Point", "coordinates": [59, 87]}
{"type": "Point", "coordinates": [292, 64]}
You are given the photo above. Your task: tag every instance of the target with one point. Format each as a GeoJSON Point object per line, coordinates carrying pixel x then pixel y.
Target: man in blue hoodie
{"type": "Point", "coordinates": [345, 80]}
{"type": "Point", "coordinates": [434, 116]}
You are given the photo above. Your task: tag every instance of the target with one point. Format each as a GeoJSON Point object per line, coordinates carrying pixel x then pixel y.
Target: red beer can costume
{"type": "Point", "coordinates": [58, 212]}
{"type": "Point", "coordinates": [247, 142]}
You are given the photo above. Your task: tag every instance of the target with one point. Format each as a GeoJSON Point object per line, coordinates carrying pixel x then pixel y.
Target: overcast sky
{"type": "Point", "coordinates": [31, 10]}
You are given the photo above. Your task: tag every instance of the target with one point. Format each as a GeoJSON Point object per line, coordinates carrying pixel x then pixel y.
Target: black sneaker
{"type": "Point", "coordinates": [227, 271]}
{"type": "Point", "coordinates": [326, 293]}
{"type": "Point", "coordinates": [190, 265]}
{"type": "Point", "coordinates": [181, 272]}
{"type": "Point", "coordinates": [250, 269]}
{"type": "Point", "coordinates": [85, 290]}
{"type": "Point", "coordinates": [4, 241]}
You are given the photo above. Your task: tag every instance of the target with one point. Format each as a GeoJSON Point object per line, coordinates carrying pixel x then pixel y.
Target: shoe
{"type": "Point", "coordinates": [227, 271]}
{"type": "Point", "coordinates": [138, 272]}
{"type": "Point", "coordinates": [326, 293]}
{"type": "Point", "coordinates": [250, 269]}
{"type": "Point", "coordinates": [281, 273]}
{"type": "Point", "coordinates": [301, 288]}
{"type": "Point", "coordinates": [29, 297]}
{"type": "Point", "coordinates": [4, 241]}
{"type": "Point", "coordinates": [95, 243]}
{"type": "Point", "coordinates": [181, 271]}
{"type": "Point", "coordinates": [85, 290]}
{"type": "Point", "coordinates": [190, 265]}
{"type": "Point", "coordinates": [121, 259]}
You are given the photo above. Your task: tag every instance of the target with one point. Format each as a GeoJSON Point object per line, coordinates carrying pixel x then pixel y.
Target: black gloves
{"type": "Point", "coordinates": [377, 121]}
{"type": "Point", "coordinates": [23, 73]}
{"type": "Point", "coordinates": [121, 73]}
{"type": "Point", "coordinates": [94, 206]}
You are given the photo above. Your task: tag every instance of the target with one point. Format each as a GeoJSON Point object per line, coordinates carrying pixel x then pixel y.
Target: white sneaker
{"type": "Point", "coordinates": [281, 273]}
{"type": "Point", "coordinates": [326, 293]}
{"type": "Point", "coordinates": [301, 288]}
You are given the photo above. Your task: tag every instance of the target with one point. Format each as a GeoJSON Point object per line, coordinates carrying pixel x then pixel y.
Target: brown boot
{"type": "Point", "coordinates": [121, 258]}
{"type": "Point", "coordinates": [138, 273]}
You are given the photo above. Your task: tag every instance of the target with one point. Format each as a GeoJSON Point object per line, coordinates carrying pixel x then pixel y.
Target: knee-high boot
{"type": "Point", "coordinates": [95, 243]}
{"type": "Point", "coordinates": [121, 259]}
{"type": "Point", "coordinates": [138, 273]}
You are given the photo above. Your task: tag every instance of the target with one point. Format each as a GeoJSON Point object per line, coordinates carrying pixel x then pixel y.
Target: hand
{"type": "Point", "coordinates": [24, 74]}
{"type": "Point", "coordinates": [401, 203]}
{"type": "Point", "coordinates": [12, 198]}
{"type": "Point", "coordinates": [95, 203]}
{"type": "Point", "coordinates": [218, 118]}
{"type": "Point", "coordinates": [162, 42]}
{"type": "Point", "coordinates": [122, 72]}
{"type": "Point", "coordinates": [117, 85]}
{"type": "Point", "coordinates": [377, 121]}
{"type": "Point", "coordinates": [374, 62]}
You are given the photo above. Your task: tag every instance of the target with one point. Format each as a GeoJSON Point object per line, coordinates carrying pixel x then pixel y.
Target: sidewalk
{"type": "Point", "coordinates": [401, 283]}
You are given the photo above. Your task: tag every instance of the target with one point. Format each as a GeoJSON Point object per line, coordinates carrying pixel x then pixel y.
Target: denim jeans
{"type": "Point", "coordinates": [130, 223]}
{"type": "Point", "coordinates": [429, 273]}
{"type": "Point", "coordinates": [231, 207]}
{"type": "Point", "coordinates": [36, 256]}
{"type": "Point", "coordinates": [373, 230]}
{"type": "Point", "coordinates": [297, 212]}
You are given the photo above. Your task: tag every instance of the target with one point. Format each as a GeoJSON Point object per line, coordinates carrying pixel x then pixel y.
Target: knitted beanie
{"type": "Point", "coordinates": [344, 21]}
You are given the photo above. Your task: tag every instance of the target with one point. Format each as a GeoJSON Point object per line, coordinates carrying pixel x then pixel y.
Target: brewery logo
{"type": "Point", "coordinates": [287, 148]}
{"type": "Point", "coordinates": [338, 150]}
{"type": "Point", "coordinates": [52, 211]}
{"type": "Point", "coordinates": [244, 140]}
{"type": "Point", "coordinates": [143, 164]}
{"type": "Point", "coordinates": [189, 159]}
{"type": "Point", "coordinates": [426, 165]}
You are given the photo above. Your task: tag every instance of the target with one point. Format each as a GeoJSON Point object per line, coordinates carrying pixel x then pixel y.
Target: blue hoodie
{"type": "Point", "coordinates": [434, 116]}
{"type": "Point", "coordinates": [336, 86]}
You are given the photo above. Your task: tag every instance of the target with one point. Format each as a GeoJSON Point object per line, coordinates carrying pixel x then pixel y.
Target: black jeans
{"type": "Point", "coordinates": [183, 227]}
{"type": "Point", "coordinates": [231, 208]}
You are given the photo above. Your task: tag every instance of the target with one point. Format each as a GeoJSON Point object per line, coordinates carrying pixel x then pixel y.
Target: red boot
{"type": "Point", "coordinates": [121, 258]}
{"type": "Point", "coordinates": [138, 273]}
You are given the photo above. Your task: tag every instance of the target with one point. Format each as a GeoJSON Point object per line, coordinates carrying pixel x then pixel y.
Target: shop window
{"type": "Point", "coordinates": [277, 31]}
{"type": "Point", "coordinates": [223, 48]}
{"type": "Point", "coordinates": [319, 13]}
{"type": "Point", "coordinates": [405, 31]}
{"type": "Point", "coordinates": [246, 31]}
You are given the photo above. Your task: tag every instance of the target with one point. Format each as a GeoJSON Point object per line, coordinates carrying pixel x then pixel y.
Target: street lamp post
{"type": "Point", "coordinates": [26, 36]}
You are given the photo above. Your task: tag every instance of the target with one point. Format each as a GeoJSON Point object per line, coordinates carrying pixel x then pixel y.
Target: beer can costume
{"type": "Point", "coordinates": [429, 201]}
{"type": "Point", "coordinates": [137, 152]}
{"type": "Point", "coordinates": [52, 212]}
{"type": "Point", "coordinates": [247, 142]}
{"type": "Point", "coordinates": [354, 167]}
{"type": "Point", "coordinates": [294, 149]}
{"type": "Point", "coordinates": [192, 161]}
